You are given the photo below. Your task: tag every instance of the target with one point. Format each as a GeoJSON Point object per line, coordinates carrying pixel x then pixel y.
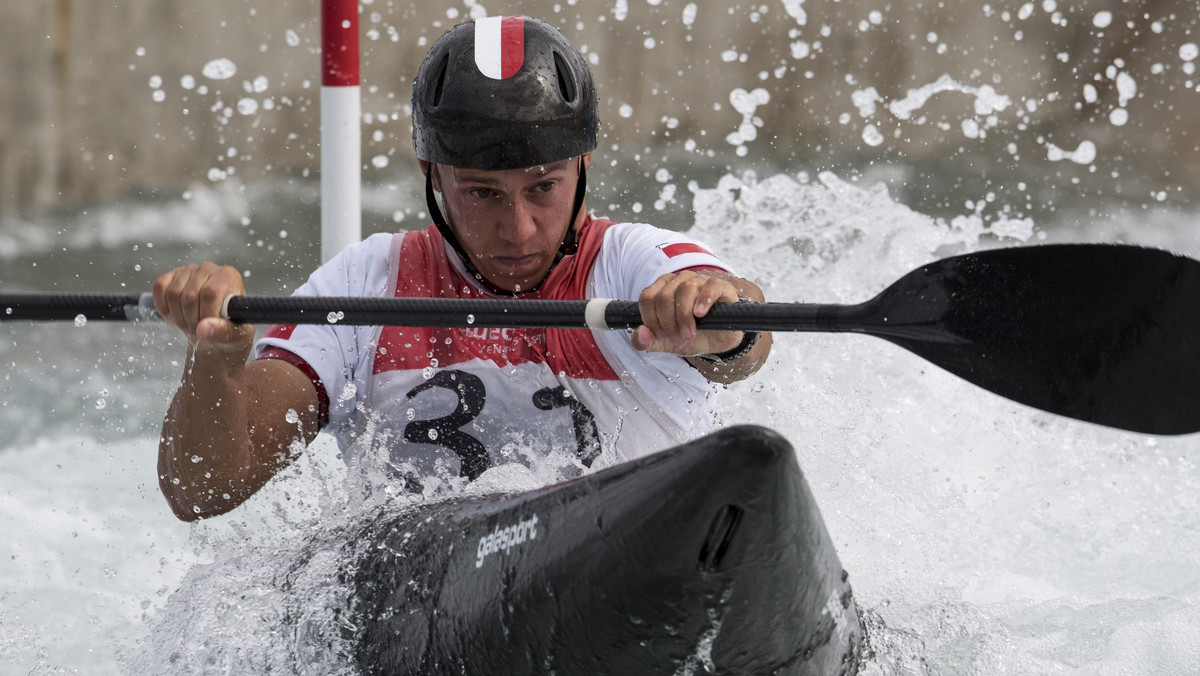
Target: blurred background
{"type": "Point", "coordinates": [1032, 109]}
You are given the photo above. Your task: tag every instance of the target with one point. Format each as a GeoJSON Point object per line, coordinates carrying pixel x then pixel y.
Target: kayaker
{"type": "Point", "coordinates": [504, 124]}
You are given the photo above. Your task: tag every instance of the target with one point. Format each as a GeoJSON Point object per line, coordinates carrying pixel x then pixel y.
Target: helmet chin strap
{"type": "Point", "coordinates": [566, 248]}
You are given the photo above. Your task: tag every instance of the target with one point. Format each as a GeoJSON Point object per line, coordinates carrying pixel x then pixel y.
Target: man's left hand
{"type": "Point", "coordinates": [669, 309]}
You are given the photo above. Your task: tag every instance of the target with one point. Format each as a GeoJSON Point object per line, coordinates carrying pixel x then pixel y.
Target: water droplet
{"type": "Point", "coordinates": [101, 404]}
{"type": "Point", "coordinates": [470, 318]}
{"type": "Point", "coordinates": [433, 434]}
{"type": "Point", "coordinates": [196, 458]}
{"type": "Point", "coordinates": [219, 69]}
{"type": "Point", "coordinates": [335, 317]}
{"type": "Point", "coordinates": [80, 320]}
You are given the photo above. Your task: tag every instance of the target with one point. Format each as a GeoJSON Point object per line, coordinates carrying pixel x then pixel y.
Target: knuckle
{"type": "Point", "coordinates": [189, 296]}
{"type": "Point", "coordinates": [209, 293]}
{"type": "Point", "coordinates": [161, 284]}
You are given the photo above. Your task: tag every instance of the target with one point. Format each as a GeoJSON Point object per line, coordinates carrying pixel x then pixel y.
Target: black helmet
{"type": "Point", "coordinates": [503, 93]}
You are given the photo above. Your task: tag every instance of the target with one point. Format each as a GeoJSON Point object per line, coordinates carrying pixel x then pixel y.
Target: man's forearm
{"type": "Point", "coordinates": [204, 453]}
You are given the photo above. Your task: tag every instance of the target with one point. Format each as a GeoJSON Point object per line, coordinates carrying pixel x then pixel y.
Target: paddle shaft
{"type": "Point", "coordinates": [598, 314]}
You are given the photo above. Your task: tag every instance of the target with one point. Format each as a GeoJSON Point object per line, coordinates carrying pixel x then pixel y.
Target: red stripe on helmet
{"type": "Point", "coordinates": [512, 45]}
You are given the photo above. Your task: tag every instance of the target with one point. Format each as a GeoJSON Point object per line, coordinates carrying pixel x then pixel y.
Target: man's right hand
{"type": "Point", "coordinates": [192, 298]}
{"type": "Point", "coordinates": [231, 425]}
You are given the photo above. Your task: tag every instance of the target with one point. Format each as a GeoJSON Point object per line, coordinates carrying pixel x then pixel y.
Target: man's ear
{"type": "Point", "coordinates": [426, 168]}
{"type": "Point", "coordinates": [587, 160]}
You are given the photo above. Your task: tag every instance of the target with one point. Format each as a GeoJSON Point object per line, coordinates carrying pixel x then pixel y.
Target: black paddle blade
{"type": "Point", "coordinates": [1109, 334]}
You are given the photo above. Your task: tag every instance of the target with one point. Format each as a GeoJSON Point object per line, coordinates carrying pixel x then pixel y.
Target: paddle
{"type": "Point", "coordinates": [1109, 334]}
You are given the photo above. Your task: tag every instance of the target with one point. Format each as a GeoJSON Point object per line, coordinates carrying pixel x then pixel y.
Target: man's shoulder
{"type": "Point", "coordinates": [372, 247]}
{"type": "Point", "coordinates": [359, 269]}
{"type": "Point", "coordinates": [627, 233]}
{"type": "Point", "coordinates": [652, 240]}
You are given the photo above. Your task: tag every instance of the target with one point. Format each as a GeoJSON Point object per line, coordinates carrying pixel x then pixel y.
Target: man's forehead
{"type": "Point", "coordinates": [463, 173]}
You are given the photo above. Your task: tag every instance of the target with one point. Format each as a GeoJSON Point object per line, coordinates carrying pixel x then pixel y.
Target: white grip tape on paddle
{"type": "Point", "coordinates": [593, 314]}
{"type": "Point", "coordinates": [225, 306]}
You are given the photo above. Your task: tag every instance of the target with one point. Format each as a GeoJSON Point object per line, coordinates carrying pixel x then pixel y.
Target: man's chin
{"type": "Point", "coordinates": [513, 282]}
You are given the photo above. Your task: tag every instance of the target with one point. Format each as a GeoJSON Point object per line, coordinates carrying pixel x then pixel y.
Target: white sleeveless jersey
{"type": "Point", "coordinates": [444, 401]}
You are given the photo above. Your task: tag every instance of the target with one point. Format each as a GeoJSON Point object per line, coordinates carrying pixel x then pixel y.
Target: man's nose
{"type": "Point", "coordinates": [517, 224]}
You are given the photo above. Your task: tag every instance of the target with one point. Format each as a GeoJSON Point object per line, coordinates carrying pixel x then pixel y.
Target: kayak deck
{"type": "Point", "coordinates": [710, 556]}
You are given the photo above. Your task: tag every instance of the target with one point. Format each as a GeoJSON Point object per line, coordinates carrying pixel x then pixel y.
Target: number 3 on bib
{"type": "Point", "coordinates": [472, 396]}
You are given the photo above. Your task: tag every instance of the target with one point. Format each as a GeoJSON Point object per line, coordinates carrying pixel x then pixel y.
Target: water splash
{"type": "Point", "coordinates": [219, 69]}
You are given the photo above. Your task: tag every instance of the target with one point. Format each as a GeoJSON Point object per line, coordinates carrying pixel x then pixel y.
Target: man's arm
{"type": "Point", "coordinates": [231, 424]}
{"type": "Point", "coordinates": [669, 309]}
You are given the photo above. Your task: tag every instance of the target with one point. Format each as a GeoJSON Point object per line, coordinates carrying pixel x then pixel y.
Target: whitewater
{"type": "Point", "coordinates": [980, 536]}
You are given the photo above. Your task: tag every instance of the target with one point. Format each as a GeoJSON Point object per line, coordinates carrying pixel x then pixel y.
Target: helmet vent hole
{"type": "Point", "coordinates": [566, 82]}
{"type": "Point", "coordinates": [441, 80]}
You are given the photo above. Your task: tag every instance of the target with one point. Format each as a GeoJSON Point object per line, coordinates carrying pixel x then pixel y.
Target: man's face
{"type": "Point", "coordinates": [510, 222]}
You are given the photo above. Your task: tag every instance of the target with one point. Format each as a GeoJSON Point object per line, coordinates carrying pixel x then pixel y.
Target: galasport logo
{"type": "Point", "coordinates": [504, 539]}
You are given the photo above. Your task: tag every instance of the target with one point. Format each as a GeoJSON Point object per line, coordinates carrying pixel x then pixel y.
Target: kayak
{"type": "Point", "coordinates": [707, 557]}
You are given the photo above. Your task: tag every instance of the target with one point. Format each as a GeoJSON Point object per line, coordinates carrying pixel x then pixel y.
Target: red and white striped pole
{"type": "Point", "coordinates": [341, 131]}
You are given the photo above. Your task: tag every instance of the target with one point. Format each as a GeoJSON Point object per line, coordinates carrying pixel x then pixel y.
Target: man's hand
{"type": "Point", "coordinates": [192, 298]}
{"type": "Point", "coordinates": [669, 309]}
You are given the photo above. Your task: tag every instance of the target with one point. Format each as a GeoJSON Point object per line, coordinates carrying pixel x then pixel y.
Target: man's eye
{"type": "Point", "coordinates": [545, 187]}
{"type": "Point", "coordinates": [480, 193]}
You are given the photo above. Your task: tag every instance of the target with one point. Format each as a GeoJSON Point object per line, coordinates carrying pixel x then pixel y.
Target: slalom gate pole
{"type": "Point", "coordinates": [341, 130]}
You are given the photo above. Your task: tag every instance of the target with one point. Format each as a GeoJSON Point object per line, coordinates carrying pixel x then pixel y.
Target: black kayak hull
{"type": "Point", "coordinates": [711, 556]}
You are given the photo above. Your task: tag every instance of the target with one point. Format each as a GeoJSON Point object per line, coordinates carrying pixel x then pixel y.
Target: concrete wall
{"type": "Point", "coordinates": [79, 119]}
